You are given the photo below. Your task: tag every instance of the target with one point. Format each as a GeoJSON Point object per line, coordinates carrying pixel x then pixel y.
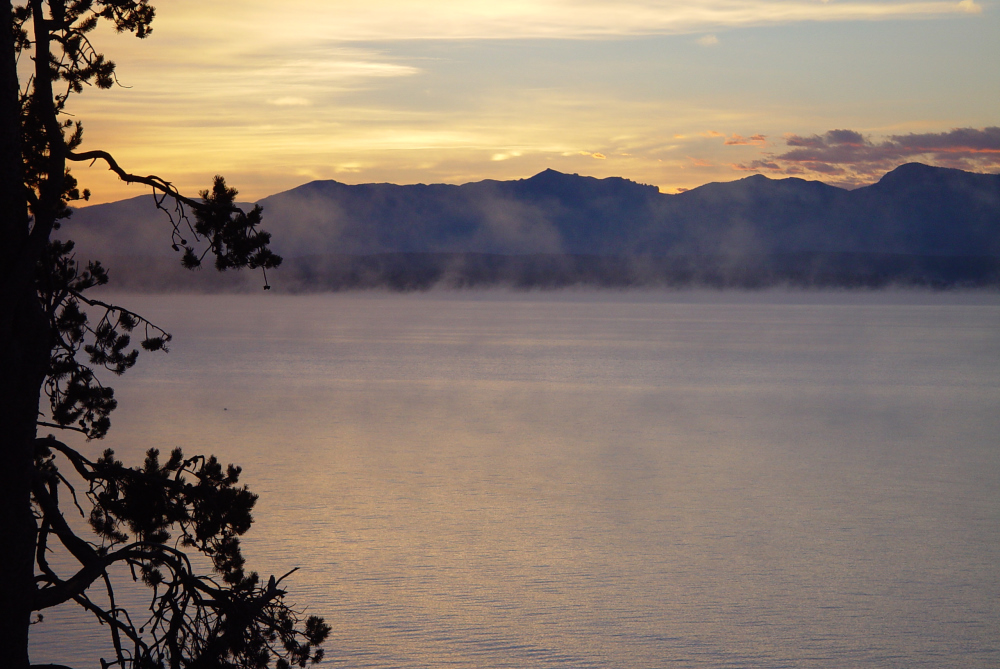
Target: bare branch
{"type": "Point", "coordinates": [116, 637]}
{"type": "Point", "coordinates": [151, 180]}
{"type": "Point", "coordinates": [82, 465]}
{"type": "Point", "coordinates": [57, 426]}
{"type": "Point", "coordinates": [108, 619]}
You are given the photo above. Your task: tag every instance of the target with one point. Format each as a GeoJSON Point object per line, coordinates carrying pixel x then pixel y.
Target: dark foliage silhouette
{"type": "Point", "coordinates": [160, 520]}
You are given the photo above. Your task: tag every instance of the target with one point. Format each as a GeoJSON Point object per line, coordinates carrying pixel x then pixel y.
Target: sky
{"type": "Point", "coordinates": [663, 92]}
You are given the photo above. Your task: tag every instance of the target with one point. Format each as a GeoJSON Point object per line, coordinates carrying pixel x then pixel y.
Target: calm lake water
{"type": "Point", "coordinates": [624, 480]}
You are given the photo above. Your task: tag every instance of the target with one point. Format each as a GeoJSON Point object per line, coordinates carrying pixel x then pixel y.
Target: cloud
{"type": "Point", "coordinates": [970, 7]}
{"type": "Point", "coordinates": [959, 140]}
{"type": "Point", "coordinates": [340, 20]}
{"type": "Point", "coordinates": [708, 40]}
{"type": "Point", "coordinates": [497, 157]}
{"type": "Point", "coordinates": [289, 102]}
{"type": "Point", "coordinates": [756, 165]}
{"type": "Point", "coordinates": [832, 137]}
{"type": "Point", "coordinates": [857, 159]}
{"type": "Point", "coordinates": [740, 140]}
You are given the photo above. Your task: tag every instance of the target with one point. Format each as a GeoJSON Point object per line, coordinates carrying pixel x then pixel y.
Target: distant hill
{"type": "Point", "coordinates": [917, 225]}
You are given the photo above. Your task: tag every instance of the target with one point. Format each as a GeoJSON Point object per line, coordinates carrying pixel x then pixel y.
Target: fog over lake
{"type": "Point", "coordinates": [609, 479]}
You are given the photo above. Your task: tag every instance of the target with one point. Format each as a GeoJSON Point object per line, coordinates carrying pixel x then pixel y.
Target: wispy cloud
{"type": "Point", "coordinates": [855, 158]}
{"type": "Point", "coordinates": [289, 102]}
{"type": "Point", "coordinates": [740, 140]}
{"type": "Point", "coordinates": [970, 7]}
{"type": "Point", "coordinates": [573, 18]}
{"type": "Point", "coordinates": [516, 19]}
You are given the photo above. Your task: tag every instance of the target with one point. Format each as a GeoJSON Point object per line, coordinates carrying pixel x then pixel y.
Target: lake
{"type": "Point", "coordinates": [608, 479]}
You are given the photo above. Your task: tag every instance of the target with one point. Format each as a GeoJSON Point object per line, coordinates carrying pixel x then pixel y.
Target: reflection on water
{"type": "Point", "coordinates": [601, 480]}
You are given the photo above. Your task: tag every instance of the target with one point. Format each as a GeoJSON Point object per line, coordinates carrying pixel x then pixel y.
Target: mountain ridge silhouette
{"type": "Point", "coordinates": [762, 224]}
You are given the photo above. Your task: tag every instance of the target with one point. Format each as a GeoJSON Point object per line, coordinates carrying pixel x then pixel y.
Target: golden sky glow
{"type": "Point", "coordinates": [456, 91]}
{"type": "Point", "coordinates": [348, 20]}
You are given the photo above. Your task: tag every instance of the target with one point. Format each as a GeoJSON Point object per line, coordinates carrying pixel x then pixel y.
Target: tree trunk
{"type": "Point", "coordinates": [23, 360]}
{"type": "Point", "coordinates": [12, 204]}
{"type": "Point", "coordinates": [22, 377]}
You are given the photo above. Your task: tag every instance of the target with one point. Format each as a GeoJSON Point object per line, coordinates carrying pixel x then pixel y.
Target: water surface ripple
{"type": "Point", "coordinates": [622, 480]}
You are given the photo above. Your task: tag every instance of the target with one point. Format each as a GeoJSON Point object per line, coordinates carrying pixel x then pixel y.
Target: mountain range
{"type": "Point", "coordinates": [917, 225]}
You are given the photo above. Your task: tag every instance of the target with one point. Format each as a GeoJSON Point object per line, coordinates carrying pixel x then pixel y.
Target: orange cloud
{"type": "Point", "coordinates": [740, 140]}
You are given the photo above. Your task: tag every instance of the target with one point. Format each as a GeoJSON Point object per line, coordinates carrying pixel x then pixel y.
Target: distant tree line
{"type": "Point", "coordinates": [424, 271]}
